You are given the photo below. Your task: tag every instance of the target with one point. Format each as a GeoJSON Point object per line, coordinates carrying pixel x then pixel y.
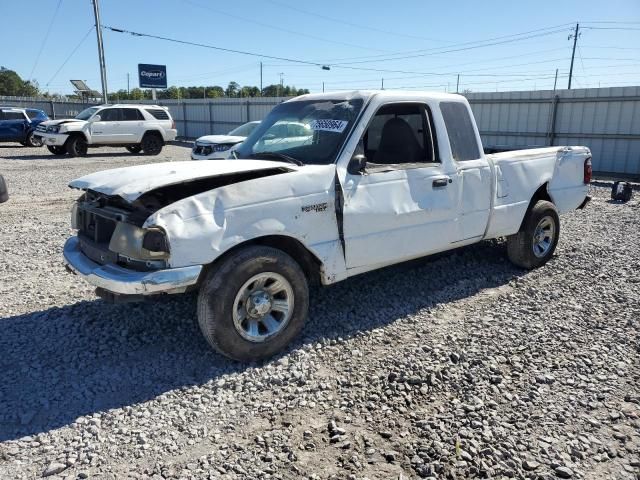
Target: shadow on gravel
{"type": "Point", "coordinates": [63, 363]}
{"type": "Point", "coordinates": [49, 156]}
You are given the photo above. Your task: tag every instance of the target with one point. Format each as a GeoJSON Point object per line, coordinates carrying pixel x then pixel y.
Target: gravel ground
{"type": "Point", "coordinates": [460, 366]}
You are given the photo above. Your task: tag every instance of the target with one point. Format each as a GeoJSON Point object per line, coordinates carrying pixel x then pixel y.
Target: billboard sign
{"type": "Point", "coordinates": [152, 76]}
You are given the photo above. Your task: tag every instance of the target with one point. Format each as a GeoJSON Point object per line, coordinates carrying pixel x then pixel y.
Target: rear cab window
{"type": "Point", "coordinates": [462, 135]}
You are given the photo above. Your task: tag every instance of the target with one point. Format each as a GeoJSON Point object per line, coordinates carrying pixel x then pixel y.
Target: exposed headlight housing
{"type": "Point", "coordinates": [139, 243]}
{"type": "Point", "coordinates": [53, 129]}
{"type": "Point", "coordinates": [155, 240]}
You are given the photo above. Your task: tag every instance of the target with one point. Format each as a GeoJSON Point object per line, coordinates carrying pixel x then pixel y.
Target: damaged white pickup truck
{"type": "Point", "coordinates": [382, 178]}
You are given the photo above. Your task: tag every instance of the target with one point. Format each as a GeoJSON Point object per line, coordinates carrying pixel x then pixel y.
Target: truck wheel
{"type": "Point", "coordinates": [152, 144]}
{"type": "Point", "coordinates": [536, 241]}
{"type": "Point", "coordinates": [31, 141]}
{"type": "Point", "coordinates": [56, 149]}
{"type": "Point", "coordinates": [134, 148]}
{"type": "Point", "coordinates": [253, 304]}
{"type": "Point", "coordinates": [77, 146]}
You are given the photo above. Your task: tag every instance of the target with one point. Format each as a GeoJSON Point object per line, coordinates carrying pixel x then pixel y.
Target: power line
{"type": "Point", "coordinates": [275, 27]}
{"type": "Point", "coordinates": [473, 47]}
{"type": "Point", "coordinates": [434, 51]}
{"type": "Point", "coordinates": [212, 47]}
{"type": "Point", "coordinates": [351, 24]}
{"type": "Point", "coordinates": [71, 54]}
{"type": "Point", "coordinates": [44, 40]}
{"type": "Point", "coordinates": [613, 28]}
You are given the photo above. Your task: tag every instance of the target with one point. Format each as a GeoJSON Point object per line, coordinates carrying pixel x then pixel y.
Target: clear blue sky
{"type": "Point", "coordinates": [325, 32]}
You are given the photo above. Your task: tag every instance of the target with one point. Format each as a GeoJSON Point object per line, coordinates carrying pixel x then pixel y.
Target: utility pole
{"type": "Point", "coordinates": [555, 82]}
{"type": "Point", "coordinates": [382, 84]}
{"type": "Point", "coordinates": [458, 83]}
{"type": "Point", "coordinates": [322, 87]}
{"type": "Point", "coordinates": [575, 35]}
{"type": "Point", "coordinates": [260, 78]}
{"type": "Point", "coordinates": [281, 85]}
{"type": "Point", "coordinates": [128, 91]}
{"type": "Point", "coordinates": [103, 68]}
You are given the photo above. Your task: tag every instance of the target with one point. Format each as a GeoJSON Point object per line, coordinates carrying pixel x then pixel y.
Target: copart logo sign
{"type": "Point", "coordinates": [152, 76]}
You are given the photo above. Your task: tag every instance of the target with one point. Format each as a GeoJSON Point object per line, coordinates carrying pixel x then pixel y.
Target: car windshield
{"type": "Point", "coordinates": [305, 131]}
{"type": "Point", "coordinates": [244, 130]}
{"type": "Point", "coordinates": [86, 114]}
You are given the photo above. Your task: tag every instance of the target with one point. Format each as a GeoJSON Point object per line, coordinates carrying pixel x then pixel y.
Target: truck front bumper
{"type": "Point", "coordinates": [52, 139]}
{"type": "Point", "coordinates": [123, 281]}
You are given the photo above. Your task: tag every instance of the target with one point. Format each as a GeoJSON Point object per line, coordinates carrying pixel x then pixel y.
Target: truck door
{"type": "Point", "coordinates": [404, 205]}
{"type": "Point", "coordinates": [473, 173]}
{"type": "Point", "coordinates": [130, 128]}
{"type": "Point", "coordinates": [104, 130]}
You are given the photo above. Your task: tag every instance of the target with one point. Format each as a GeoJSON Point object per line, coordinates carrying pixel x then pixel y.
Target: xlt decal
{"type": "Point", "coordinates": [318, 207]}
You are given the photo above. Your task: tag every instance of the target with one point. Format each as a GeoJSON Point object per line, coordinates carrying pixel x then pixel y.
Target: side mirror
{"type": "Point", "coordinates": [357, 165]}
{"type": "Point", "coordinates": [4, 191]}
{"type": "Point", "coordinates": [95, 118]}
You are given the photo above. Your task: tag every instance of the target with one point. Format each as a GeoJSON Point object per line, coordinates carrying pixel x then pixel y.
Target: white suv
{"type": "Point", "coordinates": [143, 128]}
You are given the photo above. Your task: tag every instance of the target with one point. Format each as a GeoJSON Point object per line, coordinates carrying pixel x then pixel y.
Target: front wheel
{"type": "Point", "coordinates": [536, 241]}
{"type": "Point", "coordinates": [56, 149]}
{"type": "Point", "coordinates": [77, 146]}
{"type": "Point", "coordinates": [253, 304]}
{"type": "Point", "coordinates": [32, 140]}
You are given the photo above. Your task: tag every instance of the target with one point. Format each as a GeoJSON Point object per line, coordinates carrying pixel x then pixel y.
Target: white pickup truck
{"type": "Point", "coordinates": [386, 177]}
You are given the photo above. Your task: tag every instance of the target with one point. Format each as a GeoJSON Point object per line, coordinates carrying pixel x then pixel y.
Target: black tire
{"type": "Point", "coordinates": [152, 143]}
{"type": "Point", "coordinates": [221, 288]}
{"type": "Point", "coordinates": [134, 148]}
{"type": "Point", "coordinates": [77, 146]}
{"type": "Point", "coordinates": [4, 190]}
{"type": "Point", "coordinates": [531, 248]}
{"type": "Point", "coordinates": [32, 142]}
{"type": "Point", "coordinates": [56, 149]}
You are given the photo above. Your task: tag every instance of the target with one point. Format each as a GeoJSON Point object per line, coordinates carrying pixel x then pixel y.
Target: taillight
{"type": "Point", "coordinates": [588, 170]}
{"type": "Point", "coordinates": [173, 124]}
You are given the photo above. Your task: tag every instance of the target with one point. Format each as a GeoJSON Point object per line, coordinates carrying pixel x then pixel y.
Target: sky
{"type": "Point", "coordinates": [494, 45]}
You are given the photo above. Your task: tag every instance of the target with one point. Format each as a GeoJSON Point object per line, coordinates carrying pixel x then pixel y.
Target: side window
{"type": "Point", "coordinates": [33, 114]}
{"type": "Point", "coordinates": [400, 134]}
{"type": "Point", "coordinates": [462, 136]}
{"type": "Point", "coordinates": [131, 114]}
{"type": "Point", "coordinates": [109, 115]}
{"type": "Point", "coordinates": [9, 115]}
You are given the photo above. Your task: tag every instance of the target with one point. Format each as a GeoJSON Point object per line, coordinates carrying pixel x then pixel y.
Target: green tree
{"type": "Point", "coordinates": [11, 84]}
{"type": "Point", "coordinates": [215, 91]}
{"type": "Point", "coordinates": [232, 89]}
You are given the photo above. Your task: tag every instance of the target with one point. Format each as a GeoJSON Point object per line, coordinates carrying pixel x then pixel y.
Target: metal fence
{"type": "Point", "coordinates": [607, 120]}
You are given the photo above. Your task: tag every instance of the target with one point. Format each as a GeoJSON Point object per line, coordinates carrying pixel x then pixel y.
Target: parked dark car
{"type": "Point", "coordinates": [19, 125]}
{"type": "Point", "coordinates": [4, 191]}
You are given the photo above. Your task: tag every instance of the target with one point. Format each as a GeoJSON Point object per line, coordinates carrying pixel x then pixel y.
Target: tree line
{"type": "Point", "coordinates": [12, 85]}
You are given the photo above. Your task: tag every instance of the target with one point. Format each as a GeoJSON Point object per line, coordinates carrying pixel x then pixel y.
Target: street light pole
{"type": "Point", "coordinates": [103, 68]}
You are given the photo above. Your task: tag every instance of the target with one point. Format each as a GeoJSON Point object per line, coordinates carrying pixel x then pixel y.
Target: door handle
{"type": "Point", "coordinates": [441, 182]}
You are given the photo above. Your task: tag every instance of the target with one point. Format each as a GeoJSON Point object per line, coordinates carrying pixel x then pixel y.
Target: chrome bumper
{"type": "Point", "coordinates": [116, 279]}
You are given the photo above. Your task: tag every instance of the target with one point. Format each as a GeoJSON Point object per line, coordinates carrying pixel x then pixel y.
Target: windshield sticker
{"type": "Point", "coordinates": [327, 125]}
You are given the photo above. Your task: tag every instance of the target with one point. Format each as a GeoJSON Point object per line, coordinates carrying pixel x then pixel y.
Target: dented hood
{"type": "Point", "coordinates": [133, 182]}
{"type": "Point", "coordinates": [50, 123]}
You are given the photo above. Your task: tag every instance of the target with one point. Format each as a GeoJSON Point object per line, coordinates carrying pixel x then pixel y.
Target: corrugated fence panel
{"type": "Point", "coordinates": [607, 120]}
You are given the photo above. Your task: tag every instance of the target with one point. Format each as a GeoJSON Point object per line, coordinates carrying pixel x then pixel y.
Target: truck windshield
{"type": "Point", "coordinates": [86, 114]}
{"type": "Point", "coordinates": [304, 132]}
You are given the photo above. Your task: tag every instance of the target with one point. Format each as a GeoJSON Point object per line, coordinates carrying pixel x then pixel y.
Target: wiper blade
{"type": "Point", "coordinates": [276, 156]}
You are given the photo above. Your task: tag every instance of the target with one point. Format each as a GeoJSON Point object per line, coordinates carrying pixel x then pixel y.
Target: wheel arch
{"type": "Point", "coordinates": [541, 193]}
{"type": "Point", "coordinates": [76, 134]}
{"type": "Point", "coordinates": [311, 265]}
{"type": "Point", "coordinates": [153, 131]}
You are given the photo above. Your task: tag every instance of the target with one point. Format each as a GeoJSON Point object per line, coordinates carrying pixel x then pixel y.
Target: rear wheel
{"type": "Point", "coordinates": [536, 241]}
{"type": "Point", "coordinates": [32, 141]}
{"type": "Point", "coordinates": [152, 144]}
{"type": "Point", "coordinates": [77, 146]}
{"type": "Point", "coordinates": [134, 148]}
{"type": "Point", "coordinates": [56, 149]}
{"type": "Point", "coordinates": [253, 304]}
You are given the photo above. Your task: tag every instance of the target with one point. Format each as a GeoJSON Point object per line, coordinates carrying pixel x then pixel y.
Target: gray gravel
{"type": "Point", "coordinates": [460, 366]}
